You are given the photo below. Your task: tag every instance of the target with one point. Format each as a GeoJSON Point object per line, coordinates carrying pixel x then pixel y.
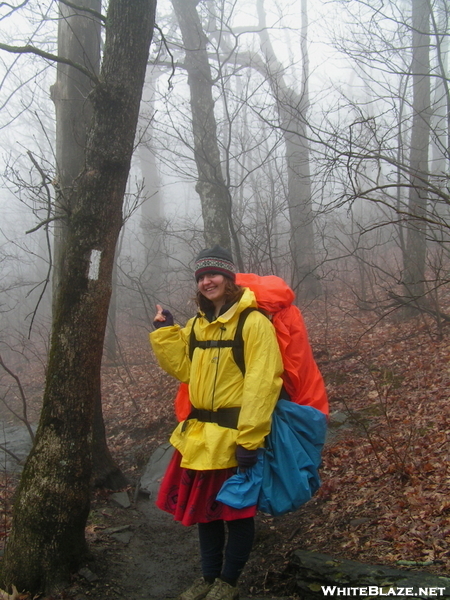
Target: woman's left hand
{"type": "Point", "coordinates": [246, 458]}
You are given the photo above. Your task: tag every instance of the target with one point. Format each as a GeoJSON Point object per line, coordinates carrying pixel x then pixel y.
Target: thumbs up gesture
{"type": "Point", "coordinates": [163, 318]}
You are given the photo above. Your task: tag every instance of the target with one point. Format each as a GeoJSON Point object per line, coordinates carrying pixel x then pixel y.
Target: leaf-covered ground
{"type": "Point", "coordinates": [385, 494]}
{"type": "Point", "coordinates": [386, 476]}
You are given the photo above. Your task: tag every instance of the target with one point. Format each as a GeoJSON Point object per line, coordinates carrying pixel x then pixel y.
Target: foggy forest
{"type": "Point", "coordinates": [310, 137]}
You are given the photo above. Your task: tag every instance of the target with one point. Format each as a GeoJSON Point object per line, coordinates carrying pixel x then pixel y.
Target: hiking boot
{"type": "Point", "coordinates": [198, 590]}
{"type": "Point", "coordinates": [221, 590]}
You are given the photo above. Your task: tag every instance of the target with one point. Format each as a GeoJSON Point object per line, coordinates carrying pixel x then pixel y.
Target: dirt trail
{"type": "Point", "coordinates": [163, 556]}
{"type": "Point", "coordinates": [139, 552]}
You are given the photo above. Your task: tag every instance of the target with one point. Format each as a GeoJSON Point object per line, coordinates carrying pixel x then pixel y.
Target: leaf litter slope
{"type": "Point", "coordinates": [385, 475]}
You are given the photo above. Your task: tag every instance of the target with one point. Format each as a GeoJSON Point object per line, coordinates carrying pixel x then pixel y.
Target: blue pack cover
{"type": "Point", "coordinates": [243, 489]}
{"type": "Point", "coordinates": [286, 474]}
{"type": "Point", "coordinates": [292, 457]}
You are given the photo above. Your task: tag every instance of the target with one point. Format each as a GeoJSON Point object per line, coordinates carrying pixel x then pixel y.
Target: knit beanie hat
{"type": "Point", "coordinates": [215, 260]}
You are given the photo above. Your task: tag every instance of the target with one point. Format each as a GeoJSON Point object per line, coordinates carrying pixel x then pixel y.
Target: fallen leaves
{"type": "Point", "coordinates": [386, 475]}
{"type": "Point", "coordinates": [391, 466]}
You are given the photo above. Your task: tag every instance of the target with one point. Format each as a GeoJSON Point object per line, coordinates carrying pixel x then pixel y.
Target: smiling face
{"type": "Point", "coordinates": [212, 286]}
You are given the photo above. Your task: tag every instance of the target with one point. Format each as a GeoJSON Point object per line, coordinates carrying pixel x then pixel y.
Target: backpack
{"type": "Point", "coordinates": [302, 379]}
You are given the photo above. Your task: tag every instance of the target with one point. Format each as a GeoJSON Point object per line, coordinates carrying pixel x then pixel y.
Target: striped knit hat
{"type": "Point", "coordinates": [215, 260]}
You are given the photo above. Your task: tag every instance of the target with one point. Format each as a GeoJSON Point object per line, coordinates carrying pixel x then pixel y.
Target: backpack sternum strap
{"type": "Point", "coordinates": [237, 343]}
{"type": "Point", "coordinates": [215, 344]}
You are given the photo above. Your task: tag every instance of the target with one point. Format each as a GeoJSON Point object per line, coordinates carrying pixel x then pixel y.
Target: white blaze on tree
{"type": "Point", "coordinates": [94, 264]}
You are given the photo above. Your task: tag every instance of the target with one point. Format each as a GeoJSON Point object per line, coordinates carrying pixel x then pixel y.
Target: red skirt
{"type": "Point", "coordinates": [190, 496]}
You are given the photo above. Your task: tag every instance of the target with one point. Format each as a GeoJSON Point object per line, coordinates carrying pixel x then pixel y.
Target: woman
{"type": "Point", "coordinates": [230, 418]}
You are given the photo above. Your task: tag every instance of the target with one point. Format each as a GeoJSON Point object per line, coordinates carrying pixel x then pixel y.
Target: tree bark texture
{"type": "Point", "coordinates": [78, 40]}
{"type": "Point", "coordinates": [211, 187]}
{"type": "Point", "coordinates": [414, 260]}
{"type": "Point", "coordinates": [105, 472]}
{"type": "Point", "coordinates": [47, 539]}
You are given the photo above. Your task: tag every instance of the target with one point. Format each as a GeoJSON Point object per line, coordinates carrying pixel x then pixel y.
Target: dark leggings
{"type": "Point", "coordinates": [241, 533]}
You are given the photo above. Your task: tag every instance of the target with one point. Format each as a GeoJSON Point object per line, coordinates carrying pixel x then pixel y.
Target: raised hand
{"type": "Point", "coordinates": [163, 317]}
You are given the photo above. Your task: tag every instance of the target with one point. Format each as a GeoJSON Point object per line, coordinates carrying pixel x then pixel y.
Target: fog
{"type": "Point", "coordinates": [335, 87]}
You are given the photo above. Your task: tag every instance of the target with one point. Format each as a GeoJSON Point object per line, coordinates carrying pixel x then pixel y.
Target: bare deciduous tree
{"type": "Point", "coordinates": [215, 199]}
{"type": "Point", "coordinates": [47, 539]}
{"type": "Point", "coordinates": [78, 41]}
{"type": "Point", "coordinates": [415, 256]}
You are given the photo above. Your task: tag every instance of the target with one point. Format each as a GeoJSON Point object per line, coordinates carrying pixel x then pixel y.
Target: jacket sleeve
{"type": "Point", "coordinates": [171, 348]}
{"type": "Point", "coordinates": [262, 381]}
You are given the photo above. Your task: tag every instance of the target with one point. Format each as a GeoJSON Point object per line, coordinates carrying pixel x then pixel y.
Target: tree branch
{"type": "Point", "coordinates": [48, 56]}
{"type": "Point", "coordinates": [13, 8]}
{"type": "Point", "coordinates": [90, 11]}
{"type": "Point", "coordinates": [172, 59]}
{"type": "Point", "coordinates": [14, 456]}
{"type": "Point", "coordinates": [24, 417]}
{"type": "Point", "coordinates": [49, 219]}
{"type": "Point", "coordinates": [415, 302]}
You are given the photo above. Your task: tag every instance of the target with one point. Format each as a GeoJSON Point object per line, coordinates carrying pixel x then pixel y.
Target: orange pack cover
{"type": "Point", "coordinates": [302, 378]}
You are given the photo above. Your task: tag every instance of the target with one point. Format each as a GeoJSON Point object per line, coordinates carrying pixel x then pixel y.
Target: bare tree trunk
{"type": "Point", "coordinates": [293, 108]}
{"type": "Point", "coordinates": [414, 259]}
{"type": "Point", "coordinates": [440, 118]}
{"type": "Point", "coordinates": [105, 472]}
{"type": "Point", "coordinates": [152, 209]}
{"type": "Point", "coordinates": [215, 200]}
{"type": "Point", "coordinates": [111, 329]}
{"type": "Point", "coordinates": [441, 108]}
{"type": "Point", "coordinates": [79, 41]}
{"type": "Point", "coordinates": [47, 539]}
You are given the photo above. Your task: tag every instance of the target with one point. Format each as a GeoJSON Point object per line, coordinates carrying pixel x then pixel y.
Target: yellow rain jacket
{"type": "Point", "coordinates": [215, 381]}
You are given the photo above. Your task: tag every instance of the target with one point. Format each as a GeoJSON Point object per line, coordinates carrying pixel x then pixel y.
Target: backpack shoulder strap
{"type": "Point", "coordinates": [238, 347]}
{"type": "Point", "coordinates": [192, 338]}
